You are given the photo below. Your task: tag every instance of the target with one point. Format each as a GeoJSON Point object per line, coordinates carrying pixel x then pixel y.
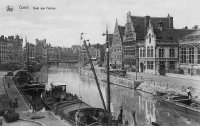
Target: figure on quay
{"type": "Point", "coordinates": [189, 93]}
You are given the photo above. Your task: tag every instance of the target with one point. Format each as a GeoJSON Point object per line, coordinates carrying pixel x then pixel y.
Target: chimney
{"type": "Point", "coordinates": [196, 27]}
{"type": "Point", "coordinates": [160, 25]}
{"type": "Point", "coordinates": [2, 37]}
{"type": "Point", "coordinates": [171, 25]}
{"type": "Point", "coordinates": [146, 21]}
{"type": "Point", "coordinates": [17, 37]}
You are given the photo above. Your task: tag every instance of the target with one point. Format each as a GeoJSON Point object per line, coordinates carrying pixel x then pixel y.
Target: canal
{"type": "Point", "coordinates": [146, 107]}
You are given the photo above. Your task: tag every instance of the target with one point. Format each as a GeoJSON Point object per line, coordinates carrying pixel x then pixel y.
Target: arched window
{"type": "Point", "coordinates": [141, 50]}
{"type": "Point", "coordinates": [149, 38]}
{"type": "Point", "coordinates": [144, 53]}
{"type": "Point", "coordinates": [148, 51]}
{"type": "Point", "coordinates": [151, 51]}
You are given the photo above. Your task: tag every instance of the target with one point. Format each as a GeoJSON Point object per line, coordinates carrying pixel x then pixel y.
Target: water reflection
{"type": "Point", "coordinates": [147, 109]}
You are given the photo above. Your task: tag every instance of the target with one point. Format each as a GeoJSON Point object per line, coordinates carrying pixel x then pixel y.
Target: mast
{"type": "Point", "coordinates": [108, 78]}
{"type": "Point", "coordinates": [93, 70]}
{"type": "Point", "coordinates": [27, 46]}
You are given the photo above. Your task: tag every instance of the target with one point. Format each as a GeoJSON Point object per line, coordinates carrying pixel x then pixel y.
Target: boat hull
{"type": "Point", "coordinates": [187, 109]}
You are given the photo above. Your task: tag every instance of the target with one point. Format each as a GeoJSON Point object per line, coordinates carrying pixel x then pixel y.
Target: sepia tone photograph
{"type": "Point", "coordinates": [99, 63]}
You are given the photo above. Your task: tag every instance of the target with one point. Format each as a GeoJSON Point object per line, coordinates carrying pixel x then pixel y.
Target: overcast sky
{"type": "Point", "coordinates": [63, 25]}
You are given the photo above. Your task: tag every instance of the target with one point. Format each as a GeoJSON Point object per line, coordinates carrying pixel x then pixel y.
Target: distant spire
{"type": "Point", "coordinates": [129, 12]}
{"type": "Point", "coordinates": [116, 22]}
{"type": "Point", "coordinates": [150, 25]}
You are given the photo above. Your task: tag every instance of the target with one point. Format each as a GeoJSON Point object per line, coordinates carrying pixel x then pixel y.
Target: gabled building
{"type": "Point", "coordinates": [53, 53]}
{"type": "Point", "coordinates": [189, 53]}
{"type": "Point", "coordinates": [159, 53]}
{"type": "Point", "coordinates": [41, 50]}
{"type": "Point", "coordinates": [116, 49]}
{"type": "Point", "coordinates": [6, 50]}
{"type": "Point", "coordinates": [135, 32]}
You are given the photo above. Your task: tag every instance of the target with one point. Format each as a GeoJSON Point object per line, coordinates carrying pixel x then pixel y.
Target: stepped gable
{"type": "Point", "coordinates": [171, 34]}
{"type": "Point", "coordinates": [141, 24]}
{"type": "Point", "coordinates": [121, 31]}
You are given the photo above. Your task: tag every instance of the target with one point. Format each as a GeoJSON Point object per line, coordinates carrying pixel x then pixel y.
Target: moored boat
{"type": "Point", "coordinates": [68, 106]}
{"type": "Point", "coordinates": [179, 102]}
{"type": "Point", "coordinates": [25, 82]}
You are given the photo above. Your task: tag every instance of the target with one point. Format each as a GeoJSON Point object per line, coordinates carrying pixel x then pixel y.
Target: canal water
{"type": "Point", "coordinates": [145, 106]}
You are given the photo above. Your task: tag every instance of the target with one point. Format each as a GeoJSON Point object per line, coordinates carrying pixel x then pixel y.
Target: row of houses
{"type": "Point", "coordinates": [42, 51]}
{"type": "Point", "coordinates": [11, 49]}
{"type": "Point", "coordinates": [96, 52]}
{"type": "Point", "coordinates": [152, 45]}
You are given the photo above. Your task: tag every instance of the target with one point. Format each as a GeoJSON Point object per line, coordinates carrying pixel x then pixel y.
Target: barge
{"type": "Point", "coordinates": [179, 102]}
{"type": "Point", "coordinates": [70, 108]}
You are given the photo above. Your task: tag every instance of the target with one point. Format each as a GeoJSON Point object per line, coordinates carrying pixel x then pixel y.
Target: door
{"type": "Point", "coordinates": [141, 67]}
{"type": "Point", "coordinates": [162, 68]}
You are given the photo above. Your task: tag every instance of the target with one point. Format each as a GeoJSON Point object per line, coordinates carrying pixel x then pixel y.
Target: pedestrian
{"type": "Point", "coordinates": [34, 105]}
{"type": "Point", "coordinates": [119, 118]}
{"type": "Point", "coordinates": [77, 115]}
{"type": "Point", "coordinates": [189, 93]}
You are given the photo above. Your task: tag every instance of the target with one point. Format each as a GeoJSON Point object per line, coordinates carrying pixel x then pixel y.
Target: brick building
{"type": "Point", "coordinates": [116, 49]}
{"type": "Point", "coordinates": [159, 53]}
{"type": "Point", "coordinates": [135, 32]}
{"type": "Point", "coordinates": [189, 53]}
{"type": "Point", "coordinates": [41, 50]}
{"type": "Point", "coordinates": [53, 53]}
{"type": "Point", "coordinates": [3, 50]}
{"type": "Point", "coordinates": [6, 50]}
{"type": "Point", "coordinates": [17, 48]}
{"type": "Point", "coordinates": [31, 54]}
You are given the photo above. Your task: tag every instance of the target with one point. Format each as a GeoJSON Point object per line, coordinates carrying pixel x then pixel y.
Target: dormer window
{"type": "Point", "coordinates": [159, 37]}
{"type": "Point", "coordinates": [128, 27]}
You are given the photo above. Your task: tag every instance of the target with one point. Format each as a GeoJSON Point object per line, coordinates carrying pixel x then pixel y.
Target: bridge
{"type": "Point", "coordinates": [61, 61]}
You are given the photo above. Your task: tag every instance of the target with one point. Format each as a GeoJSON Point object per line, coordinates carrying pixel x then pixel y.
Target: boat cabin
{"type": "Point", "coordinates": [58, 90]}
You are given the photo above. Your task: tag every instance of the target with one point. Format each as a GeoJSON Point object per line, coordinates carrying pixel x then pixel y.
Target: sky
{"type": "Point", "coordinates": [63, 25]}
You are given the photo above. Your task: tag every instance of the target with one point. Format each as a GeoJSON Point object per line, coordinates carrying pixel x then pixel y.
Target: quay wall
{"type": "Point", "coordinates": [115, 80]}
{"type": "Point", "coordinates": [149, 84]}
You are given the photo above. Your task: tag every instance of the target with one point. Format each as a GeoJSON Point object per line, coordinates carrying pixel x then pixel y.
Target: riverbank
{"type": "Point", "coordinates": [150, 83]}
{"type": "Point", "coordinates": [25, 113]}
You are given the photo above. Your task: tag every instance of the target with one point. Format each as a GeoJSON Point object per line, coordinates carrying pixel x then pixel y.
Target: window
{"type": "Point", "coordinates": [171, 53]}
{"type": "Point", "coordinates": [144, 53]}
{"type": "Point", "coordinates": [148, 51]}
{"type": "Point", "coordinates": [150, 65]}
{"type": "Point", "coordinates": [128, 27]}
{"type": "Point", "coordinates": [151, 51]}
{"type": "Point", "coordinates": [161, 53]}
{"type": "Point", "coordinates": [198, 71]}
{"type": "Point", "coordinates": [191, 55]}
{"type": "Point", "coordinates": [171, 65]}
{"type": "Point", "coordinates": [183, 55]}
{"type": "Point", "coordinates": [149, 38]}
{"type": "Point", "coordinates": [141, 52]}
{"type": "Point", "coordinates": [198, 55]}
